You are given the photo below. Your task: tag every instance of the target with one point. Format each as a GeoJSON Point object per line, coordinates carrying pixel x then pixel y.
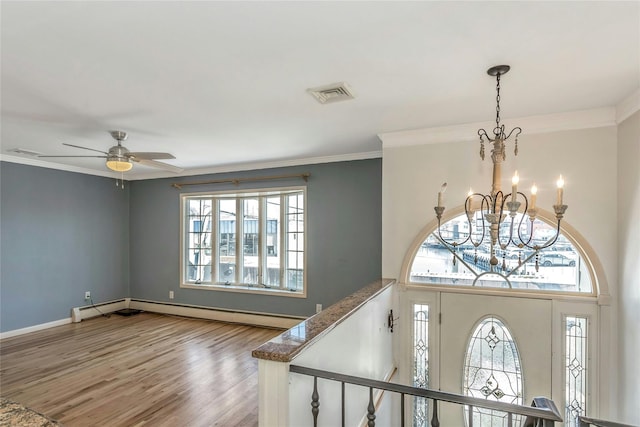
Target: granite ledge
{"type": "Point", "coordinates": [287, 345]}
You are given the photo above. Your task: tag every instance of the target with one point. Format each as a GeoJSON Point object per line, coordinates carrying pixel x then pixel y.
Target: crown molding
{"type": "Point", "coordinates": [260, 165]}
{"type": "Point", "coordinates": [531, 125]}
{"type": "Point", "coordinates": [49, 165]}
{"type": "Point", "coordinates": [628, 107]}
{"type": "Point", "coordinates": [132, 176]}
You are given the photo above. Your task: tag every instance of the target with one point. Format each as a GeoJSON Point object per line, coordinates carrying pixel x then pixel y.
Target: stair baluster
{"type": "Point", "coordinates": [343, 418]}
{"type": "Point", "coordinates": [435, 422]}
{"type": "Point", "coordinates": [315, 402]}
{"type": "Point", "coordinates": [371, 409]}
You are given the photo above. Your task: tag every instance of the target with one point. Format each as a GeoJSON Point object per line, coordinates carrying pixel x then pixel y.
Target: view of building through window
{"type": "Point", "coordinates": [253, 240]}
{"type": "Point", "coordinates": [557, 268]}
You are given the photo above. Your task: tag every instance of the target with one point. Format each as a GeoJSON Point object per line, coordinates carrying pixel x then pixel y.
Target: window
{"type": "Point", "coordinates": [245, 241]}
{"type": "Point", "coordinates": [575, 350]}
{"type": "Point", "coordinates": [421, 362]}
{"type": "Point", "coordinates": [557, 268]}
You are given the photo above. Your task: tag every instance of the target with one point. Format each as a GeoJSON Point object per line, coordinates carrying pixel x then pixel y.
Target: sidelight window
{"type": "Point", "coordinates": [421, 362]}
{"type": "Point", "coordinates": [575, 350]}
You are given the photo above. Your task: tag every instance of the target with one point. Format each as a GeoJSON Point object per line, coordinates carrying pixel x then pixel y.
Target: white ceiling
{"type": "Point", "coordinates": [222, 85]}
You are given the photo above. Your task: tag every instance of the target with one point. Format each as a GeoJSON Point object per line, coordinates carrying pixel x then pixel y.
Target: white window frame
{"type": "Point", "coordinates": [238, 286]}
{"type": "Point", "coordinates": [590, 311]}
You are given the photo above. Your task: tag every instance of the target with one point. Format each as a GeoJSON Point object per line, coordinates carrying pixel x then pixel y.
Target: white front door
{"type": "Point", "coordinates": [529, 324]}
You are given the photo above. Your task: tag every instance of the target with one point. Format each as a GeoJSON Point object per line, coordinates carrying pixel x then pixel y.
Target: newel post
{"type": "Point", "coordinates": [273, 393]}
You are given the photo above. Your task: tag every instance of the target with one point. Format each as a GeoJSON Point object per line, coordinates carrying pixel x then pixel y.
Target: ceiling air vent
{"type": "Point", "coordinates": [332, 93]}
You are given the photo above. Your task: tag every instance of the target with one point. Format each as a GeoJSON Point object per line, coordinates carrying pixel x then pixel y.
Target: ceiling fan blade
{"type": "Point", "coordinates": [159, 165]}
{"type": "Point", "coordinates": [99, 157]}
{"type": "Point", "coordinates": [147, 155]}
{"type": "Point", "coordinates": [84, 148]}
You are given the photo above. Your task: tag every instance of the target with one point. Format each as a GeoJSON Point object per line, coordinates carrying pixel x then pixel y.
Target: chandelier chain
{"type": "Point", "coordinates": [497, 102]}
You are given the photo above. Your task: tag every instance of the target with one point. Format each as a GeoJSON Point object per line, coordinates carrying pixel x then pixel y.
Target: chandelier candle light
{"type": "Point", "coordinates": [495, 206]}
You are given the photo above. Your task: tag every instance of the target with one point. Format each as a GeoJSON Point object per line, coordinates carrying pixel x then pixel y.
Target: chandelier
{"type": "Point", "coordinates": [493, 218]}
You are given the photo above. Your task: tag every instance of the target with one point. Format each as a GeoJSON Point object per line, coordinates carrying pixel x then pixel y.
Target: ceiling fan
{"type": "Point", "coordinates": [119, 158]}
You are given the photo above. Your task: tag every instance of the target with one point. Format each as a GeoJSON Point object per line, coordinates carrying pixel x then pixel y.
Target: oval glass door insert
{"type": "Point", "coordinates": [492, 371]}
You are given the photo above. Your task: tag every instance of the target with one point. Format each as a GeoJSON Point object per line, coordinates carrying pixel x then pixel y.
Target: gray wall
{"type": "Point", "coordinates": [65, 233]}
{"type": "Point", "coordinates": [343, 237]}
{"type": "Point", "coordinates": [61, 234]}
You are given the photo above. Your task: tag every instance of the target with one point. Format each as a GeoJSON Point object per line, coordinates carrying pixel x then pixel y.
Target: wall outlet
{"type": "Point", "coordinates": [318, 308]}
{"type": "Point", "coordinates": [170, 294]}
{"type": "Point", "coordinates": [87, 296]}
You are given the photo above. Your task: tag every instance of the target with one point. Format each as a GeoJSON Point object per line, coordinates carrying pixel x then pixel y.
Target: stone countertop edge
{"type": "Point", "coordinates": [287, 345]}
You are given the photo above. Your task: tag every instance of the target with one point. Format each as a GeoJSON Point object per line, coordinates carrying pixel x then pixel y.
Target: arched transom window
{"type": "Point", "coordinates": [558, 268]}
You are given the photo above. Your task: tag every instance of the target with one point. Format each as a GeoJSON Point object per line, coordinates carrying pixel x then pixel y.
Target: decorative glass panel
{"type": "Point", "coordinates": [492, 371]}
{"type": "Point", "coordinates": [557, 268]}
{"type": "Point", "coordinates": [421, 362]}
{"type": "Point", "coordinates": [575, 369]}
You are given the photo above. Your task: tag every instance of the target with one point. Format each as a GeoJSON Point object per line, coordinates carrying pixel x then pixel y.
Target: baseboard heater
{"type": "Point", "coordinates": [89, 311]}
{"type": "Point", "coordinates": [130, 307]}
{"type": "Point", "coordinates": [220, 314]}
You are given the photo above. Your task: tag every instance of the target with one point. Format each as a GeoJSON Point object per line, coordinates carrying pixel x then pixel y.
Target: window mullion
{"type": "Point", "coordinates": [262, 240]}
{"type": "Point", "coordinates": [283, 239]}
{"type": "Point", "coordinates": [239, 240]}
{"type": "Point", "coordinates": [215, 239]}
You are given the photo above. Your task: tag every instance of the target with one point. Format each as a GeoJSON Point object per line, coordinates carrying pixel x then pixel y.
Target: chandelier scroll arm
{"type": "Point", "coordinates": [522, 219]}
{"type": "Point", "coordinates": [484, 206]}
{"type": "Point", "coordinates": [461, 259]}
{"type": "Point", "coordinates": [502, 198]}
{"type": "Point", "coordinates": [510, 240]}
{"type": "Point", "coordinates": [513, 212]}
{"type": "Point", "coordinates": [551, 241]}
{"type": "Point", "coordinates": [516, 129]}
{"type": "Point", "coordinates": [439, 211]}
{"type": "Point", "coordinates": [448, 243]}
{"type": "Point", "coordinates": [501, 216]}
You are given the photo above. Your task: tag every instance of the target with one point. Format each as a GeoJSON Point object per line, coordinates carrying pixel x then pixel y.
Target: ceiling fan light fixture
{"type": "Point", "coordinates": [118, 164]}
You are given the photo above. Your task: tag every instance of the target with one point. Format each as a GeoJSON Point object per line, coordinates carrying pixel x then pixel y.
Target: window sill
{"type": "Point", "coordinates": [247, 289]}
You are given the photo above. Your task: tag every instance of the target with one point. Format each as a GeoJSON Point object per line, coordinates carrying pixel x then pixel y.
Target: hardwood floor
{"type": "Point", "coordinates": [147, 369]}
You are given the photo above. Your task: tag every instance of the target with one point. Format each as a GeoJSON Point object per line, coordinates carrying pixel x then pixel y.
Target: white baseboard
{"type": "Point", "coordinates": [247, 318]}
{"type": "Point", "coordinates": [34, 328]}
